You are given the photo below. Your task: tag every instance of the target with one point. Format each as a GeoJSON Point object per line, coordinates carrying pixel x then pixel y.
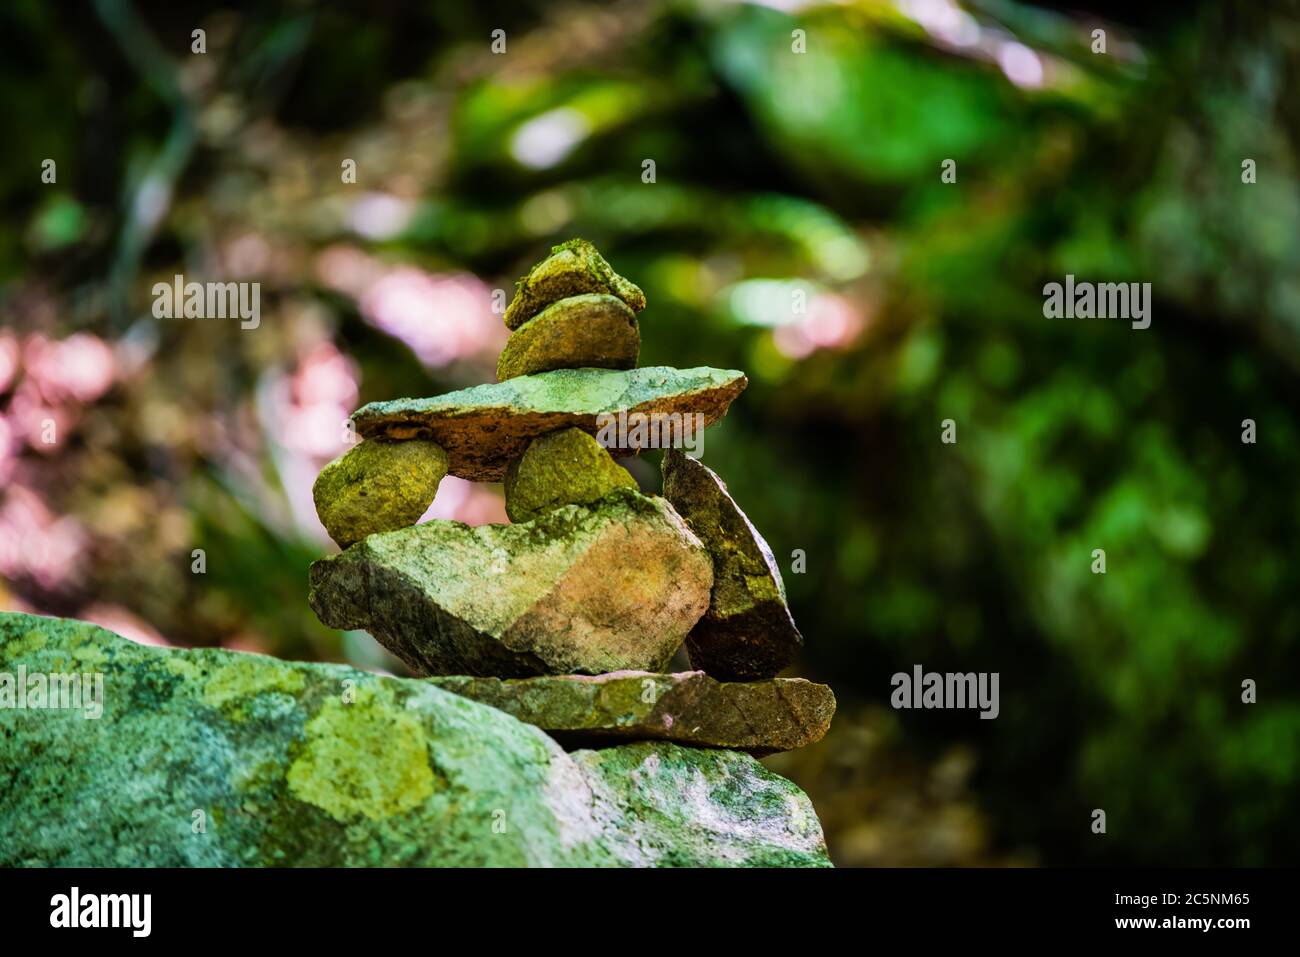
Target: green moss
{"type": "Point", "coordinates": [183, 667]}
{"type": "Point", "coordinates": [364, 759]}
{"type": "Point", "coordinates": [378, 486]}
{"type": "Point", "coordinates": [244, 678]}
{"type": "Point", "coordinates": [747, 632]}
{"type": "Point", "coordinates": [405, 775]}
{"type": "Point", "coordinates": [573, 268]}
{"type": "Point", "coordinates": [24, 645]}
{"type": "Point", "coordinates": [568, 467]}
{"type": "Point", "coordinates": [593, 330]}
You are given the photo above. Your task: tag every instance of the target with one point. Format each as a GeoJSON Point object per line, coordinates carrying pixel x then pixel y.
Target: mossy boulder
{"type": "Point", "coordinates": [760, 717]}
{"type": "Point", "coordinates": [378, 486]}
{"type": "Point", "coordinates": [210, 758]}
{"type": "Point", "coordinates": [589, 331]}
{"type": "Point", "coordinates": [572, 268]}
{"type": "Point", "coordinates": [581, 590]}
{"type": "Point", "coordinates": [568, 467]}
{"type": "Point", "coordinates": [748, 632]}
{"type": "Point", "coordinates": [486, 427]}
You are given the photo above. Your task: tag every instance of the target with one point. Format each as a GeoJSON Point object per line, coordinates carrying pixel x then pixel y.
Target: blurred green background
{"type": "Point", "coordinates": [797, 228]}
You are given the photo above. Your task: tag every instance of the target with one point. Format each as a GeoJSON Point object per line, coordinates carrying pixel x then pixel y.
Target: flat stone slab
{"type": "Point", "coordinates": [748, 632]}
{"type": "Point", "coordinates": [484, 427]}
{"type": "Point", "coordinates": [582, 589]}
{"type": "Point", "coordinates": [689, 707]}
{"type": "Point", "coordinates": [289, 763]}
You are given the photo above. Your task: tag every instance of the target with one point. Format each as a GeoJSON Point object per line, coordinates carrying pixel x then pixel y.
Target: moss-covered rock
{"type": "Point", "coordinates": [378, 486]}
{"type": "Point", "coordinates": [330, 766]}
{"type": "Point", "coordinates": [748, 632]}
{"type": "Point", "coordinates": [760, 717]}
{"type": "Point", "coordinates": [581, 590]}
{"type": "Point", "coordinates": [486, 427]}
{"type": "Point", "coordinates": [568, 467]}
{"type": "Point", "coordinates": [573, 268]}
{"type": "Point", "coordinates": [589, 331]}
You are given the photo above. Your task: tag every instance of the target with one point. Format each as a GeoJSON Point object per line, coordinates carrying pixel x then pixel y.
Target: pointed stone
{"type": "Point", "coordinates": [579, 590]}
{"type": "Point", "coordinates": [748, 632]}
{"type": "Point", "coordinates": [761, 717]}
{"type": "Point", "coordinates": [589, 331]}
{"type": "Point", "coordinates": [486, 427]}
{"type": "Point", "coordinates": [568, 467]}
{"type": "Point", "coordinates": [572, 268]}
{"type": "Point", "coordinates": [377, 486]}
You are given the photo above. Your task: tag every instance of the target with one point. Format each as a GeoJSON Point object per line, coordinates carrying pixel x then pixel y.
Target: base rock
{"type": "Point", "coordinates": [285, 773]}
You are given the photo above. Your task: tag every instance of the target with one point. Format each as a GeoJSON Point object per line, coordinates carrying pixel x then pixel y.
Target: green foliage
{"type": "Point", "coordinates": [777, 173]}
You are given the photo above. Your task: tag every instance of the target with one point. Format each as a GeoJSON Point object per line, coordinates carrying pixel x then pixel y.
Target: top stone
{"type": "Point", "coordinates": [572, 269]}
{"type": "Point", "coordinates": [485, 427]}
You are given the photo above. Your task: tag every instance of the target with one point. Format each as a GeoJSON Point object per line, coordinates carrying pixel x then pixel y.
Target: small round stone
{"type": "Point", "coordinates": [568, 467]}
{"type": "Point", "coordinates": [378, 486]}
{"type": "Point", "coordinates": [592, 331]}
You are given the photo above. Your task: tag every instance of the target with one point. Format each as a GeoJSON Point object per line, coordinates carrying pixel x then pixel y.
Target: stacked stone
{"type": "Point", "coordinates": [567, 617]}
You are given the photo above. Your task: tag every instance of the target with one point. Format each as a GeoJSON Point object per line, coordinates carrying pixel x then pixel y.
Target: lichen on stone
{"type": "Point", "coordinates": [592, 330]}
{"type": "Point", "coordinates": [378, 486]}
{"type": "Point", "coordinates": [362, 759]}
{"type": "Point", "coordinates": [748, 632]}
{"type": "Point", "coordinates": [241, 679]}
{"type": "Point", "coordinates": [405, 775]}
{"type": "Point", "coordinates": [580, 589]}
{"type": "Point", "coordinates": [485, 427]}
{"type": "Point", "coordinates": [573, 268]}
{"type": "Point", "coordinates": [567, 467]}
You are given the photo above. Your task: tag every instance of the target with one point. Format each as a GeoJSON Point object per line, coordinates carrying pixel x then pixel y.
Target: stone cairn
{"type": "Point", "coordinates": [567, 617]}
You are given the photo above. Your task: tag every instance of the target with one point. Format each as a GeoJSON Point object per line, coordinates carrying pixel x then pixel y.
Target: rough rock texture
{"type": "Point", "coordinates": [580, 590]}
{"type": "Point", "coordinates": [748, 632]}
{"type": "Point", "coordinates": [572, 268]}
{"type": "Point", "coordinates": [485, 427]}
{"type": "Point", "coordinates": [217, 758]}
{"type": "Point", "coordinates": [589, 331]}
{"type": "Point", "coordinates": [568, 467]}
{"type": "Point", "coordinates": [690, 707]}
{"type": "Point", "coordinates": [377, 486]}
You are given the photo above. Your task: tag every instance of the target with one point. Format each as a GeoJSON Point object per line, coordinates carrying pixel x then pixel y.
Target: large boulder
{"type": "Point", "coordinates": [485, 427]}
{"type": "Point", "coordinates": [582, 590]}
{"type": "Point", "coordinates": [760, 717]}
{"type": "Point", "coordinates": [215, 759]}
{"type": "Point", "coordinates": [748, 631]}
